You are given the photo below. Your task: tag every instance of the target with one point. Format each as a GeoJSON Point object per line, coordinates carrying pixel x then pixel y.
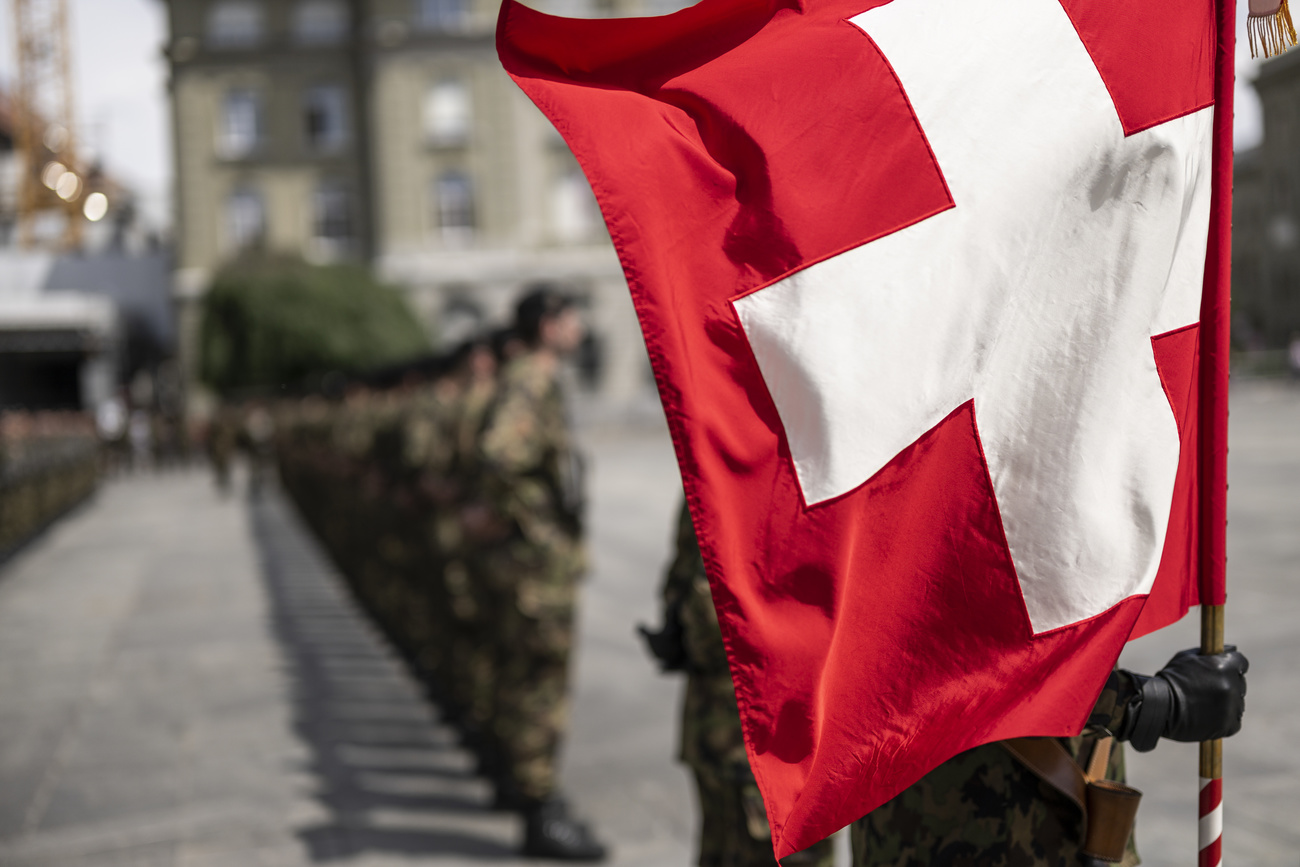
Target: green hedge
{"type": "Point", "coordinates": [274, 323]}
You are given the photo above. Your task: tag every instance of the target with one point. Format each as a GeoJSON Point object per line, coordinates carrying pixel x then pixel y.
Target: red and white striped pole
{"type": "Point", "coordinates": [1210, 836]}
{"type": "Point", "coordinates": [1215, 338]}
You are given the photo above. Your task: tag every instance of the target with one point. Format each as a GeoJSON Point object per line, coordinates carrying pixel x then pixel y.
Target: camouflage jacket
{"type": "Point", "coordinates": [428, 442]}
{"type": "Point", "coordinates": [528, 469]}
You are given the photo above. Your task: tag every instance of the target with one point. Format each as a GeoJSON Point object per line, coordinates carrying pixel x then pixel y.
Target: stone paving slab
{"type": "Point", "coordinates": [184, 681]}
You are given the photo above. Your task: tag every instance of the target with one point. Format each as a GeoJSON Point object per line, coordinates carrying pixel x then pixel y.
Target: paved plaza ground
{"type": "Point", "coordinates": [184, 681]}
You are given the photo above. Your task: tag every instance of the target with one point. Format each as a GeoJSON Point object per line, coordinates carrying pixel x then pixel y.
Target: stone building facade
{"type": "Point", "coordinates": [386, 131]}
{"type": "Point", "coordinates": [1266, 216]}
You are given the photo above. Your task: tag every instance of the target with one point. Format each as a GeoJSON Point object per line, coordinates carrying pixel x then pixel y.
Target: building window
{"type": "Point", "coordinates": [332, 219]}
{"type": "Point", "coordinates": [442, 14]}
{"type": "Point", "coordinates": [235, 23]}
{"type": "Point", "coordinates": [447, 113]}
{"type": "Point", "coordinates": [453, 196]}
{"type": "Point", "coordinates": [574, 214]}
{"type": "Point", "coordinates": [241, 123]}
{"type": "Point", "coordinates": [245, 219]}
{"type": "Point", "coordinates": [325, 118]}
{"type": "Point", "coordinates": [320, 22]}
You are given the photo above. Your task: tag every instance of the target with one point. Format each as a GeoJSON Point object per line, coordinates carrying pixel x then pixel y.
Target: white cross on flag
{"type": "Point", "coordinates": [922, 286]}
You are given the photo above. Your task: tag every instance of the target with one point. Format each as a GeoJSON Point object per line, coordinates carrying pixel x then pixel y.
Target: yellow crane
{"type": "Point", "coordinates": [51, 177]}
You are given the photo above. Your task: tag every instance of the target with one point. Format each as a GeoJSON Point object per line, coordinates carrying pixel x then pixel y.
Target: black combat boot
{"type": "Point", "coordinates": [506, 796]}
{"type": "Point", "coordinates": [550, 832]}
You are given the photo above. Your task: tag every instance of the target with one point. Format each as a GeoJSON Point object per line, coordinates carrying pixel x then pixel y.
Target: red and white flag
{"type": "Point", "coordinates": [922, 285]}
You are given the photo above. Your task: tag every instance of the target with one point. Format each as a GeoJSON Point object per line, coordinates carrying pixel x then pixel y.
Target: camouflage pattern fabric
{"type": "Point", "coordinates": [474, 642]}
{"type": "Point", "coordinates": [984, 808]}
{"type": "Point", "coordinates": [526, 470]}
{"type": "Point", "coordinates": [733, 821]}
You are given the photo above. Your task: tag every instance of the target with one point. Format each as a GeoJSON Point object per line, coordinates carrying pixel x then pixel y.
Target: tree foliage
{"type": "Point", "coordinates": [274, 323]}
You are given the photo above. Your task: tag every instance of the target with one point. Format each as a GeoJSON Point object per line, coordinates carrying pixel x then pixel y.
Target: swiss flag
{"type": "Point", "coordinates": [922, 286]}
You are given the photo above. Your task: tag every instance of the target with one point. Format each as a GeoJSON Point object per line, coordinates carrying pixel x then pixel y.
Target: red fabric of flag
{"type": "Point", "coordinates": [783, 179]}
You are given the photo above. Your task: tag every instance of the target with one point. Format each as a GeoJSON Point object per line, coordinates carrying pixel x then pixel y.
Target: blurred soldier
{"type": "Point", "coordinates": [259, 436]}
{"type": "Point", "coordinates": [529, 524]}
{"type": "Point", "coordinates": [429, 452]}
{"type": "Point", "coordinates": [223, 431]}
{"type": "Point", "coordinates": [733, 824]}
{"type": "Point", "coordinates": [472, 645]}
{"type": "Point", "coordinates": [982, 807]}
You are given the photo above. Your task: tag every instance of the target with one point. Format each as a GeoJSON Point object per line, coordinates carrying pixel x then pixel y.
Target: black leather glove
{"type": "Point", "coordinates": [667, 645]}
{"type": "Point", "coordinates": [1193, 698]}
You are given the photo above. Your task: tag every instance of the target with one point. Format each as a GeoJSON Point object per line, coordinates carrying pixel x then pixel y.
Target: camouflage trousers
{"type": "Point", "coordinates": [733, 820]}
{"type": "Point", "coordinates": [535, 589]}
{"type": "Point", "coordinates": [472, 648]}
{"type": "Point", "coordinates": [981, 808]}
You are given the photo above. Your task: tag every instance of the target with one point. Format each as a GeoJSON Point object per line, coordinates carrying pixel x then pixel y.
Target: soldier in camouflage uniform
{"type": "Point", "coordinates": [428, 455]}
{"type": "Point", "coordinates": [985, 807]}
{"type": "Point", "coordinates": [981, 808]}
{"type": "Point", "coordinates": [733, 824]}
{"type": "Point", "coordinates": [529, 531]}
{"type": "Point", "coordinates": [472, 640]}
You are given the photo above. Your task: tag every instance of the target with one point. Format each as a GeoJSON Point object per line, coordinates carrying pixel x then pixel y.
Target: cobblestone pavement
{"type": "Point", "coordinates": [184, 682]}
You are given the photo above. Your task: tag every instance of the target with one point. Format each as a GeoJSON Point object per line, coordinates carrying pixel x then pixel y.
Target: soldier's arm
{"type": "Point", "coordinates": [668, 644]}
{"type": "Point", "coordinates": [681, 571]}
{"type": "Point", "coordinates": [1107, 715]}
{"type": "Point", "coordinates": [1195, 697]}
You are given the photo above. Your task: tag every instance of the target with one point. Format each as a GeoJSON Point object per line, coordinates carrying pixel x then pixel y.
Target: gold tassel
{"type": "Point", "coordinates": [1270, 35]}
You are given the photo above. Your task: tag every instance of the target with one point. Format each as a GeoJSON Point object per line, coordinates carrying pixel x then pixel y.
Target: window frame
{"type": "Point", "coordinates": [303, 35]}
{"type": "Point", "coordinates": [442, 16]}
{"type": "Point", "coordinates": [234, 143]}
{"type": "Point", "coordinates": [464, 225]}
{"type": "Point", "coordinates": [216, 37]}
{"type": "Point", "coordinates": [327, 192]}
{"type": "Point", "coordinates": [451, 137]}
{"type": "Point", "coordinates": [319, 144]}
{"type": "Point", "coordinates": [237, 240]}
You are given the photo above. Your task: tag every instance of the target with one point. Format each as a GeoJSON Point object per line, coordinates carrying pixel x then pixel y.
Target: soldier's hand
{"type": "Point", "coordinates": [665, 645]}
{"type": "Point", "coordinates": [1195, 697]}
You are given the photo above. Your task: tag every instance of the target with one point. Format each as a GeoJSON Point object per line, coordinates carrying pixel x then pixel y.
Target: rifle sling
{"type": "Point", "coordinates": [1109, 808]}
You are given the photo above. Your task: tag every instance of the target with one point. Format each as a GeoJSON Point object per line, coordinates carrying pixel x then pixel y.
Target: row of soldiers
{"type": "Point", "coordinates": [453, 505]}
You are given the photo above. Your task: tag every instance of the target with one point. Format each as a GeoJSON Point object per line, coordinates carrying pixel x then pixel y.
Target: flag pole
{"type": "Point", "coordinates": [1210, 827]}
{"type": "Point", "coordinates": [1215, 346]}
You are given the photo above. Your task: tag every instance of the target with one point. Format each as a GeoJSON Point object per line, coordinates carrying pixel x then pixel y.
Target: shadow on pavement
{"type": "Point", "coordinates": [389, 774]}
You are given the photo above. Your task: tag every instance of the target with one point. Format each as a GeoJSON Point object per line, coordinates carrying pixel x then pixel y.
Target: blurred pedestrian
{"type": "Point", "coordinates": [140, 434]}
{"type": "Point", "coordinates": [529, 523]}
{"type": "Point", "coordinates": [110, 425]}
